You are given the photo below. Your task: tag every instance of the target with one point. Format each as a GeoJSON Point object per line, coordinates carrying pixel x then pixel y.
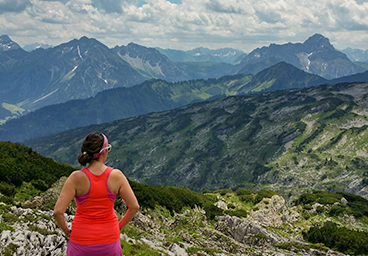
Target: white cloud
{"type": "Point", "coordinates": [212, 23]}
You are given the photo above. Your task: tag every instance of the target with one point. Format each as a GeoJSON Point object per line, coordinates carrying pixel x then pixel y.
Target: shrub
{"type": "Point", "coordinates": [320, 209]}
{"type": "Point", "coordinates": [6, 189]}
{"type": "Point", "coordinates": [307, 207]}
{"type": "Point", "coordinates": [357, 206]}
{"type": "Point", "coordinates": [206, 191]}
{"type": "Point", "coordinates": [247, 198]}
{"type": "Point", "coordinates": [340, 238]}
{"type": "Point", "coordinates": [10, 250]}
{"type": "Point", "coordinates": [4, 226]}
{"type": "Point", "coordinates": [238, 213]}
{"type": "Point", "coordinates": [264, 194]}
{"type": "Point", "coordinates": [243, 191]}
{"type": "Point", "coordinates": [174, 198]}
{"type": "Point", "coordinates": [223, 191]}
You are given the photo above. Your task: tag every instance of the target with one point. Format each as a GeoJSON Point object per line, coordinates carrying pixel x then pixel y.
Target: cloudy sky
{"type": "Point", "coordinates": [186, 24]}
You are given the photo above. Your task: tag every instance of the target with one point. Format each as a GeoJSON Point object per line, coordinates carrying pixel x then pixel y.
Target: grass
{"type": "Point", "coordinates": [10, 250]}
{"type": "Point", "coordinates": [137, 249]}
{"type": "Point", "coordinates": [14, 109]}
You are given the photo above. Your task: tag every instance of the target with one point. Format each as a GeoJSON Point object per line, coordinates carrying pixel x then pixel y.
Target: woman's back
{"type": "Point", "coordinates": [95, 220]}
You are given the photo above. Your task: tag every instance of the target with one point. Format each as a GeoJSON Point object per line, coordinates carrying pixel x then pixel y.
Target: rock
{"type": "Point", "coordinates": [36, 202]}
{"type": "Point", "coordinates": [242, 229]}
{"type": "Point", "coordinates": [5, 236]}
{"type": "Point", "coordinates": [221, 204]}
{"type": "Point", "coordinates": [344, 201]}
{"type": "Point", "coordinates": [270, 211]}
{"type": "Point", "coordinates": [290, 216]}
{"type": "Point", "coordinates": [145, 223]}
{"type": "Point", "coordinates": [177, 250]}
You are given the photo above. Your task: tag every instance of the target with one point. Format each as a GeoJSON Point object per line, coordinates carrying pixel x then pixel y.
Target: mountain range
{"type": "Point", "coordinates": [202, 54]}
{"type": "Point", "coordinates": [82, 68]}
{"type": "Point", "coordinates": [154, 96]}
{"type": "Point", "coordinates": [289, 141]}
{"type": "Point", "coordinates": [316, 55]}
{"type": "Point", "coordinates": [357, 55]}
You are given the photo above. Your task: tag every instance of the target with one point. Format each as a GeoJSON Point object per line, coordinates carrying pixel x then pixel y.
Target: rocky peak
{"type": "Point", "coordinates": [317, 42]}
{"type": "Point", "coordinates": [6, 44]}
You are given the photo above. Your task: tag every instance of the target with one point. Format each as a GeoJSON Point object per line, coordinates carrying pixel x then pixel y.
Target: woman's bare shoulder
{"type": "Point", "coordinates": [77, 174]}
{"type": "Point", "coordinates": [116, 173]}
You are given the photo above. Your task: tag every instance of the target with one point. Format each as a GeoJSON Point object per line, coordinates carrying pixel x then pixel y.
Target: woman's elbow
{"type": "Point", "coordinates": [135, 207]}
{"type": "Point", "coordinates": [57, 212]}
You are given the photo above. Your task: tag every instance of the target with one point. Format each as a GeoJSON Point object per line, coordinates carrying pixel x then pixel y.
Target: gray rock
{"type": "Point", "coordinates": [177, 250]}
{"type": "Point", "coordinates": [344, 201]}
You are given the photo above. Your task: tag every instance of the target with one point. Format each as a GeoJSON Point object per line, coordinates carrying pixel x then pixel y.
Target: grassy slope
{"type": "Point", "coordinates": [281, 138]}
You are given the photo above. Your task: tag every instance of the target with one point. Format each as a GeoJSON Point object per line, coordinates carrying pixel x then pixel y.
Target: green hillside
{"type": "Point", "coordinates": [290, 141]}
{"type": "Point", "coordinates": [241, 222]}
{"type": "Point", "coordinates": [25, 173]}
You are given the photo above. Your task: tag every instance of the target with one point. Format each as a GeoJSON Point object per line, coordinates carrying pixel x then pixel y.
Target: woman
{"type": "Point", "coordinates": [95, 226]}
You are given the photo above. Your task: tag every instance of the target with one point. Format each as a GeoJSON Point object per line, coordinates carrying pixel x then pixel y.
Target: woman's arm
{"type": "Point", "coordinates": [66, 196]}
{"type": "Point", "coordinates": [127, 194]}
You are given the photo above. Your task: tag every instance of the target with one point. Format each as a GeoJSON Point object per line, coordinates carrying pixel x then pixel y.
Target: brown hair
{"type": "Point", "coordinates": [91, 145]}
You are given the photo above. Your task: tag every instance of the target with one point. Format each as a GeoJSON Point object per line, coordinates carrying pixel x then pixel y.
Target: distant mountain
{"type": "Point", "coordinates": [80, 69]}
{"type": "Point", "coordinates": [118, 103]}
{"type": "Point", "coordinates": [6, 44]}
{"type": "Point", "coordinates": [10, 54]}
{"type": "Point", "coordinates": [200, 70]}
{"type": "Point", "coordinates": [356, 54]}
{"type": "Point", "coordinates": [32, 47]}
{"type": "Point", "coordinates": [201, 54]}
{"type": "Point", "coordinates": [361, 77]}
{"type": "Point", "coordinates": [151, 62]}
{"type": "Point", "coordinates": [280, 77]}
{"type": "Point", "coordinates": [74, 70]}
{"type": "Point", "coordinates": [297, 139]}
{"type": "Point", "coordinates": [154, 96]}
{"type": "Point", "coordinates": [316, 56]}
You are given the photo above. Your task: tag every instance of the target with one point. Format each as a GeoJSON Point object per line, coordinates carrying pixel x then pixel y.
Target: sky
{"type": "Point", "coordinates": [186, 24]}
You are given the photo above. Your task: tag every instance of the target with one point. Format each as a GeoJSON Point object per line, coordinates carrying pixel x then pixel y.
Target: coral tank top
{"type": "Point", "coordinates": [95, 221]}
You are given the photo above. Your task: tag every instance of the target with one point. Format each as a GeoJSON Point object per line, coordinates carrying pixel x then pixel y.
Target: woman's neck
{"type": "Point", "coordinates": [97, 167]}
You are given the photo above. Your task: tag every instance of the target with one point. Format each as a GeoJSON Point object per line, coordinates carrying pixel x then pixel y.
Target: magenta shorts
{"type": "Point", "coordinates": [113, 249]}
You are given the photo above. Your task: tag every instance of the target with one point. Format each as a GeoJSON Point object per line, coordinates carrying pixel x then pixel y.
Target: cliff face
{"type": "Point", "coordinates": [269, 227]}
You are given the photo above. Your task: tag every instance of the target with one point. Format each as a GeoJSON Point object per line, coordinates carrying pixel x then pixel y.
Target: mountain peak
{"type": "Point", "coordinates": [84, 38]}
{"type": "Point", "coordinates": [6, 44]}
{"type": "Point", "coordinates": [4, 39]}
{"type": "Point", "coordinates": [134, 45]}
{"type": "Point", "coordinates": [317, 41]}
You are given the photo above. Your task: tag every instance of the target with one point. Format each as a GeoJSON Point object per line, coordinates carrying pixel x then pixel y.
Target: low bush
{"type": "Point", "coordinates": [223, 191]}
{"type": "Point", "coordinates": [264, 194]}
{"type": "Point", "coordinates": [356, 206]}
{"type": "Point", "coordinates": [238, 213]}
{"type": "Point", "coordinates": [174, 198]}
{"type": "Point", "coordinates": [345, 240]}
{"type": "Point", "coordinates": [246, 198]}
{"type": "Point", "coordinates": [243, 191]}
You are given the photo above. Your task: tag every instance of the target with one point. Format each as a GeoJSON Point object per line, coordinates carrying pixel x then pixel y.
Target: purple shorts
{"type": "Point", "coordinates": [113, 249]}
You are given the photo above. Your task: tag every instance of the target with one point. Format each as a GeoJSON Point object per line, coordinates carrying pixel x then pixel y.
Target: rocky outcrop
{"type": "Point", "coordinates": [34, 232]}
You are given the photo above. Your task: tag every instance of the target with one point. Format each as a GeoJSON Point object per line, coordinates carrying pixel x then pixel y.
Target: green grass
{"type": "Point", "coordinates": [264, 86]}
{"type": "Point", "coordinates": [137, 249]}
{"type": "Point", "coordinates": [14, 109]}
